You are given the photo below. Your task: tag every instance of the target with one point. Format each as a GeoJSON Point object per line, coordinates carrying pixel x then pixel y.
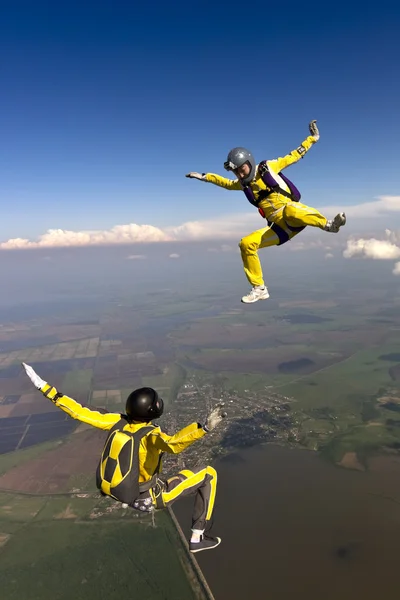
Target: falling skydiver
{"type": "Point", "coordinates": [277, 200]}
{"type": "Point", "coordinates": [130, 464]}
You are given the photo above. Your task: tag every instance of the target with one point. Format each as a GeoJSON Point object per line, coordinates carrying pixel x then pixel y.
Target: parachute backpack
{"type": "Point", "coordinates": [273, 186]}
{"type": "Point", "coordinates": [117, 473]}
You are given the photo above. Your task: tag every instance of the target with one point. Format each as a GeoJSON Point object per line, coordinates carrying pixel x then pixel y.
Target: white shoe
{"type": "Point", "coordinates": [338, 222]}
{"type": "Point", "coordinates": [257, 293]}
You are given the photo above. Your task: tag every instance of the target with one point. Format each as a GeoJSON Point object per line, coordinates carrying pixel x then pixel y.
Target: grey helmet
{"type": "Point", "coordinates": [238, 157]}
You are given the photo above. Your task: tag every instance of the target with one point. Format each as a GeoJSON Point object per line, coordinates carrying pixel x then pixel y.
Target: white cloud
{"type": "Point", "coordinates": [375, 249]}
{"type": "Point", "coordinates": [119, 234]}
{"type": "Point", "coordinates": [221, 227]}
{"type": "Point", "coordinates": [329, 255]}
{"type": "Point", "coordinates": [372, 248]}
{"type": "Point", "coordinates": [225, 227]}
{"type": "Point", "coordinates": [174, 255]}
{"type": "Point", "coordinates": [136, 257]}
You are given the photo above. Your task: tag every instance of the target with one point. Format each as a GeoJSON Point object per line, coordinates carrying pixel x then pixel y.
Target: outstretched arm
{"type": "Point", "coordinates": [95, 417]}
{"type": "Point", "coordinates": [228, 184]}
{"type": "Point", "coordinates": [282, 162]}
{"type": "Point", "coordinates": [173, 444]}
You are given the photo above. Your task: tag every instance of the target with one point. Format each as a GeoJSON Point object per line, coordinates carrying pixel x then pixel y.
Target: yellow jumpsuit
{"type": "Point", "coordinates": [277, 209]}
{"type": "Point", "coordinates": [201, 481]}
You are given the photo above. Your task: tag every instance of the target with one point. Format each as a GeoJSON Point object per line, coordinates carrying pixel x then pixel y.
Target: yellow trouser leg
{"type": "Point", "coordinates": [249, 246]}
{"type": "Point", "coordinates": [297, 214]}
{"type": "Point", "coordinates": [203, 483]}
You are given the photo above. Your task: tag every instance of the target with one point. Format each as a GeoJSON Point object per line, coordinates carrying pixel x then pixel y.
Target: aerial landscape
{"type": "Point", "coordinates": [311, 370]}
{"type": "Point", "coordinates": [200, 301]}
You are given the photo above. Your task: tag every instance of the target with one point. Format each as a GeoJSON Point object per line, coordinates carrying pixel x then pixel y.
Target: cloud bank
{"type": "Point", "coordinates": [229, 227]}
{"type": "Point", "coordinates": [120, 234]}
{"type": "Point", "coordinates": [225, 227]}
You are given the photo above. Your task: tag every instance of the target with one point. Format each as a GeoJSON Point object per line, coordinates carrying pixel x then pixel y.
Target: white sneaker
{"type": "Point", "coordinates": [336, 223]}
{"type": "Point", "coordinates": [257, 293]}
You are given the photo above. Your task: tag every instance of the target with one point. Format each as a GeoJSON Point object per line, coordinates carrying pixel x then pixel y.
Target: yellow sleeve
{"type": "Point", "coordinates": [173, 444]}
{"type": "Point", "coordinates": [281, 163]}
{"type": "Point", "coordinates": [228, 184]}
{"type": "Point", "coordinates": [75, 410]}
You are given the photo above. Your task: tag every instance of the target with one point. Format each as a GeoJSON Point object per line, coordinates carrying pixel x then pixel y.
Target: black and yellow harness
{"type": "Point", "coordinates": [117, 473]}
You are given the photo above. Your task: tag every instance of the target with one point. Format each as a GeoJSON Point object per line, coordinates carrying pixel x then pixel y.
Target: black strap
{"type": "Point", "coordinates": [146, 485]}
{"type": "Point", "coordinates": [57, 395]}
{"type": "Point", "coordinates": [47, 392]}
{"type": "Point", "coordinates": [269, 181]}
{"type": "Point", "coordinates": [275, 190]}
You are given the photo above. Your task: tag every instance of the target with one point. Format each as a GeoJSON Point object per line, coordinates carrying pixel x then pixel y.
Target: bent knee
{"type": "Point", "coordinates": [289, 212]}
{"type": "Point", "coordinates": [242, 244]}
{"type": "Point", "coordinates": [211, 471]}
{"type": "Point", "coordinates": [248, 245]}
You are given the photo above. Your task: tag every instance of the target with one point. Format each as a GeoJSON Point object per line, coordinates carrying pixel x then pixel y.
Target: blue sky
{"type": "Point", "coordinates": [105, 108]}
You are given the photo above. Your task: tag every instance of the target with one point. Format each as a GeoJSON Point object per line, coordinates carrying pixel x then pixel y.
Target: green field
{"type": "Point", "coordinates": [361, 374]}
{"type": "Point", "coordinates": [67, 508]}
{"type": "Point", "coordinates": [346, 395]}
{"type": "Point", "coordinates": [88, 547]}
{"type": "Point", "coordinates": [17, 510]}
{"type": "Point", "coordinates": [77, 381]}
{"type": "Point", "coordinates": [95, 559]}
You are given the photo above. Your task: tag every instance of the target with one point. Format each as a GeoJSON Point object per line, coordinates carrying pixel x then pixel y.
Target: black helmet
{"type": "Point", "coordinates": [144, 404]}
{"type": "Point", "coordinates": [238, 157]}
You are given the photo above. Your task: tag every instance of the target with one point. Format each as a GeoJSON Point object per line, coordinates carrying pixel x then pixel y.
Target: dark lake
{"type": "Point", "coordinates": [294, 526]}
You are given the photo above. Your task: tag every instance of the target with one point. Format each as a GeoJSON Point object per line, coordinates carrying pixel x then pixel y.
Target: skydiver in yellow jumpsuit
{"type": "Point", "coordinates": [277, 201]}
{"type": "Point", "coordinates": [142, 406]}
